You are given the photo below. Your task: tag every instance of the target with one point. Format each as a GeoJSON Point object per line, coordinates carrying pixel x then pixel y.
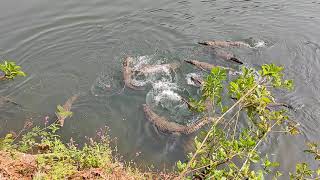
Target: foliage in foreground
{"type": "Point", "coordinates": [11, 70]}
{"type": "Point", "coordinates": [303, 170]}
{"type": "Point", "coordinates": [228, 151]}
{"type": "Point", "coordinates": [56, 159]}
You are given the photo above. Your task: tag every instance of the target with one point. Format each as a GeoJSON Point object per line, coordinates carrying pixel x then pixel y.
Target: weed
{"type": "Point", "coordinates": [11, 70]}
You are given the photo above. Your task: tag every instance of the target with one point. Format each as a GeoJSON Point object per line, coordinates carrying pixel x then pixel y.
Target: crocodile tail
{"type": "Point", "coordinates": [196, 126]}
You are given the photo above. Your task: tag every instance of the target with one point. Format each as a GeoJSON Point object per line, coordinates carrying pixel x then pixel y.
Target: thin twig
{"type": "Point", "coordinates": [232, 118]}
{"type": "Point", "coordinates": [255, 147]}
{"type": "Point", "coordinates": [235, 126]}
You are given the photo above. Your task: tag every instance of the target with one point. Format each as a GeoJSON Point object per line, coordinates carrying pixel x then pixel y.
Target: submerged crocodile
{"type": "Point", "coordinates": [172, 127]}
{"type": "Point", "coordinates": [204, 66]}
{"type": "Point", "coordinates": [67, 108]}
{"type": "Point", "coordinates": [225, 44]}
{"type": "Point", "coordinates": [227, 56]}
{"type": "Point", "coordinates": [5, 100]}
{"type": "Point", "coordinates": [127, 74]}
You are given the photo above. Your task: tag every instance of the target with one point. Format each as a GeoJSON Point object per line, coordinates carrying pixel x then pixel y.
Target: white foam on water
{"type": "Point", "coordinates": [157, 80]}
{"type": "Point", "coordinates": [157, 69]}
{"type": "Point", "coordinates": [139, 83]}
{"type": "Point", "coordinates": [167, 95]}
{"type": "Point", "coordinates": [141, 61]}
{"type": "Point", "coordinates": [164, 85]}
{"type": "Point", "coordinates": [155, 73]}
{"type": "Point", "coordinates": [259, 44]}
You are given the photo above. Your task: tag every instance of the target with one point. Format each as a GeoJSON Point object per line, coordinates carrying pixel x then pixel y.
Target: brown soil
{"type": "Point", "coordinates": [16, 166]}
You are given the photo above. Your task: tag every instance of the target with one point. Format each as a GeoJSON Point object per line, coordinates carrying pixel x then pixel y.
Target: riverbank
{"type": "Point", "coordinates": [41, 154]}
{"type": "Point", "coordinates": [15, 165]}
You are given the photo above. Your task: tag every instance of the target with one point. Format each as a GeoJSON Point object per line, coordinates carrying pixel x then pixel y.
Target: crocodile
{"type": "Point", "coordinates": [225, 44]}
{"type": "Point", "coordinates": [4, 100]}
{"type": "Point", "coordinates": [227, 56]}
{"type": "Point", "coordinates": [67, 108]}
{"type": "Point", "coordinates": [172, 127]}
{"type": "Point", "coordinates": [205, 66]}
{"type": "Point", "coordinates": [149, 69]}
{"type": "Point", "coordinates": [127, 74]}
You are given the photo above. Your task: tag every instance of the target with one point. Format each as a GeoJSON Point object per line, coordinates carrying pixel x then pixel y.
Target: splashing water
{"type": "Point", "coordinates": [140, 61]}
{"type": "Point", "coordinates": [259, 44]}
{"type": "Point", "coordinates": [167, 95]}
{"type": "Point", "coordinates": [152, 75]}
{"type": "Point", "coordinates": [164, 93]}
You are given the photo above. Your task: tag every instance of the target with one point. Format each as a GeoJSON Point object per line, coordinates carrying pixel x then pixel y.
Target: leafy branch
{"type": "Point", "coordinates": [215, 149]}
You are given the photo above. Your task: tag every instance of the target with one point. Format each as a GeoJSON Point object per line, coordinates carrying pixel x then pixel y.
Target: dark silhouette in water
{"type": "Point", "coordinates": [4, 100]}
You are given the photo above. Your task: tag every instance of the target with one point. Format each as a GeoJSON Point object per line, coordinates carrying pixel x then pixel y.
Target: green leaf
{"type": "Point", "coordinates": [266, 100]}
{"type": "Point", "coordinates": [60, 108]}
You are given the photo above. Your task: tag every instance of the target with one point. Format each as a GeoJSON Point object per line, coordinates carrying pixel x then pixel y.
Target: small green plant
{"type": "Point", "coordinates": [11, 70]}
{"type": "Point", "coordinates": [62, 112]}
{"type": "Point", "coordinates": [6, 142]}
{"type": "Point", "coordinates": [56, 159]}
{"type": "Point", "coordinates": [64, 160]}
{"type": "Point", "coordinates": [218, 148]}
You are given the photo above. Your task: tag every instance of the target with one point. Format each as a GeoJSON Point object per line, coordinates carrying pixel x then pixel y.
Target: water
{"type": "Point", "coordinates": [68, 47]}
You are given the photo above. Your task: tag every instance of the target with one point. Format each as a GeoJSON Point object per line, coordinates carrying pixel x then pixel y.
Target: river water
{"type": "Point", "coordinates": [69, 47]}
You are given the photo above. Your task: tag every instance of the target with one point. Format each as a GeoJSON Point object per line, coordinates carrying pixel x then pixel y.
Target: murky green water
{"type": "Point", "coordinates": [68, 47]}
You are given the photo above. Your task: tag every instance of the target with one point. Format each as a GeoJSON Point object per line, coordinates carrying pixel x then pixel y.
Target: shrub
{"type": "Point", "coordinates": [226, 151]}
